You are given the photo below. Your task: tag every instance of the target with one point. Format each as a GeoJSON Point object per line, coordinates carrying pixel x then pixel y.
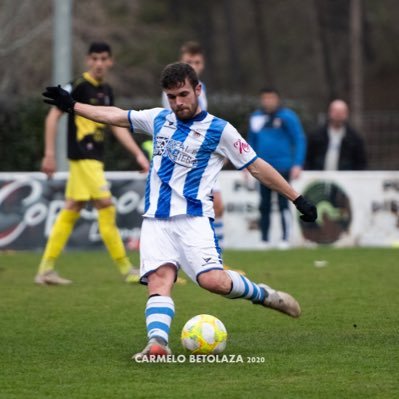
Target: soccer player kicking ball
{"type": "Point", "coordinates": [190, 146]}
{"type": "Point", "coordinates": [86, 180]}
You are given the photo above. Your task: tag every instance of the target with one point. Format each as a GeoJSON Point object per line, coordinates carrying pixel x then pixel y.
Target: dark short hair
{"type": "Point", "coordinates": [175, 75]}
{"type": "Point", "coordinates": [191, 47]}
{"type": "Point", "coordinates": [99, 47]}
{"type": "Point", "coordinates": [268, 90]}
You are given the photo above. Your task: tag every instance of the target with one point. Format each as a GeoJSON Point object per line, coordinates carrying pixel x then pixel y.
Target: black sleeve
{"type": "Point", "coordinates": [78, 93]}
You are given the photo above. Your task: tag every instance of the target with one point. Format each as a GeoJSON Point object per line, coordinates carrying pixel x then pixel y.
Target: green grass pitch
{"type": "Point", "coordinates": [76, 341]}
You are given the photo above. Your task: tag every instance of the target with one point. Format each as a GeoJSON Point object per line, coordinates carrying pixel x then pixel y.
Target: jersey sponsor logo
{"type": "Point", "coordinates": [242, 146]}
{"type": "Point", "coordinates": [181, 154]}
{"type": "Point", "coordinates": [176, 151]}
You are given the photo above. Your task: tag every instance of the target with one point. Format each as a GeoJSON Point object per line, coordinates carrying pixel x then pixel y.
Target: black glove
{"type": "Point", "coordinates": [59, 97]}
{"type": "Point", "coordinates": [308, 210]}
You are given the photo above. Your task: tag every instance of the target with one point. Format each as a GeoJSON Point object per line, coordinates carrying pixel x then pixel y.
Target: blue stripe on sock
{"type": "Point", "coordinates": [155, 310]}
{"type": "Point", "coordinates": [262, 295]}
{"type": "Point", "coordinates": [255, 293]}
{"type": "Point", "coordinates": [246, 287]}
{"type": "Point", "coordinates": [157, 325]}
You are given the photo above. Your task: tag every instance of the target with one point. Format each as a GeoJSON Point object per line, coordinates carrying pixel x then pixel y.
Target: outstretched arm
{"type": "Point", "coordinates": [108, 115]}
{"type": "Point", "coordinates": [269, 177]}
{"type": "Point", "coordinates": [59, 97]}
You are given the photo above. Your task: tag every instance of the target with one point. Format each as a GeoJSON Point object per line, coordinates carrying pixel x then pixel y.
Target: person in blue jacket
{"type": "Point", "coordinates": [276, 134]}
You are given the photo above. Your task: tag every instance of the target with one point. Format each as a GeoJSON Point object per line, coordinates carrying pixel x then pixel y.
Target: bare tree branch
{"type": "Point", "coordinates": [29, 36]}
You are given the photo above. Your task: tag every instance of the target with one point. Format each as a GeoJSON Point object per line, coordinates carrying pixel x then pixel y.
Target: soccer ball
{"type": "Point", "coordinates": [204, 335]}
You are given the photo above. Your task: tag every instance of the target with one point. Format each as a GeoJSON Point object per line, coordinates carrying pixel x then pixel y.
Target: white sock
{"type": "Point", "coordinates": [159, 313]}
{"type": "Point", "coordinates": [242, 287]}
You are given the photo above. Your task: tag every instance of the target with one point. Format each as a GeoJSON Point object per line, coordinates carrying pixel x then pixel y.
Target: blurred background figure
{"type": "Point", "coordinates": [192, 53]}
{"type": "Point", "coordinates": [86, 181]}
{"type": "Point", "coordinates": [276, 134]}
{"type": "Point", "coordinates": [336, 145]}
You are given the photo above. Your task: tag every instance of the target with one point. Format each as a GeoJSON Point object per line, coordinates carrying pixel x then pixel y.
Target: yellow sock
{"type": "Point", "coordinates": [59, 235]}
{"type": "Point", "coordinates": [112, 239]}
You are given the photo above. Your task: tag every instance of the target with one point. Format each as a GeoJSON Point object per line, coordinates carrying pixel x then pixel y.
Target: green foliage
{"type": "Point", "coordinates": [153, 12]}
{"type": "Point", "coordinates": [21, 135]}
{"type": "Point", "coordinates": [76, 341]}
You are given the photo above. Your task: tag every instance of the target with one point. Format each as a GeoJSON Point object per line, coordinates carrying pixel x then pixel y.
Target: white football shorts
{"type": "Point", "coordinates": [188, 242]}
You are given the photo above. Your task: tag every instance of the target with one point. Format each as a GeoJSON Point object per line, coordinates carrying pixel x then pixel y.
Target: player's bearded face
{"type": "Point", "coordinates": [183, 100]}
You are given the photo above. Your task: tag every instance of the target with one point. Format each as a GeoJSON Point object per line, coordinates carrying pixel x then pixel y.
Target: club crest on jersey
{"type": "Point", "coordinates": [196, 134]}
{"type": "Point", "coordinates": [277, 123]}
{"type": "Point", "coordinates": [242, 146]}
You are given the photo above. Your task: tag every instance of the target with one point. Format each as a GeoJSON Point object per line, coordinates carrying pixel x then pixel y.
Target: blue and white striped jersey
{"type": "Point", "coordinates": [187, 158]}
{"type": "Point", "coordinates": [202, 99]}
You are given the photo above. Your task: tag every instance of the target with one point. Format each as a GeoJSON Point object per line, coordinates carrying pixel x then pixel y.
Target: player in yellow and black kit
{"type": "Point", "coordinates": [86, 180]}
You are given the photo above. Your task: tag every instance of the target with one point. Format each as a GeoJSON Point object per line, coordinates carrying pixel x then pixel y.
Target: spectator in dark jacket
{"type": "Point", "coordinates": [336, 146]}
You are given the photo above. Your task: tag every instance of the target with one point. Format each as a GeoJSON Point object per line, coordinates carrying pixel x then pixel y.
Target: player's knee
{"type": "Point", "coordinates": [216, 281]}
{"type": "Point", "coordinates": [161, 280]}
{"type": "Point", "coordinates": [73, 205]}
{"type": "Point", "coordinates": [103, 203]}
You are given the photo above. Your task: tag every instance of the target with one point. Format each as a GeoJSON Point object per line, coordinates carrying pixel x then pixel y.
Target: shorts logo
{"type": "Point", "coordinates": [242, 146]}
{"type": "Point", "coordinates": [207, 261]}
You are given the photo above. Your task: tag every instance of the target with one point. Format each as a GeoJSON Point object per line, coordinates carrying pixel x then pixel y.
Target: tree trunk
{"type": "Point", "coordinates": [356, 62]}
{"type": "Point", "coordinates": [262, 42]}
{"type": "Point", "coordinates": [325, 51]}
